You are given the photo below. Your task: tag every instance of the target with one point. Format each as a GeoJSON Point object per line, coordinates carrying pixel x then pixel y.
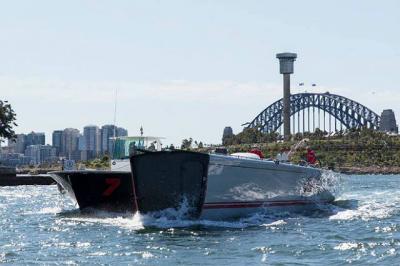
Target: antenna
{"type": "Point", "coordinates": [115, 111]}
{"type": "Point", "coordinates": [115, 127]}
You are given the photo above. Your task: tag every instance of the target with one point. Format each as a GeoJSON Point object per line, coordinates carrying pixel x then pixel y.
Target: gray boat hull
{"type": "Point", "coordinates": [238, 187]}
{"type": "Point", "coordinates": [222, 187]}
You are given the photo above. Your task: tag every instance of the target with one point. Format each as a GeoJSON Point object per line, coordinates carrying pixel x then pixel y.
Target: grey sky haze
{"type": "Point", "coordinates": [189, 68]}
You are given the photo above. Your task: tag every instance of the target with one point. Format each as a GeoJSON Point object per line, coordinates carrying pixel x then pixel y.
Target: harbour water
{"type": "Point", "coordinates": [40, 226]}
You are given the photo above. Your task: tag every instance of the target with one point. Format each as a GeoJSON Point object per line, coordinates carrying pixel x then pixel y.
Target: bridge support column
{"type": "Point", "coordinates": [286, 61]}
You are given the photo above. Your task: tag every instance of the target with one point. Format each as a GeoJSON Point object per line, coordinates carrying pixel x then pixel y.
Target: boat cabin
{"type": "Point", "coordinates": [123, 147]}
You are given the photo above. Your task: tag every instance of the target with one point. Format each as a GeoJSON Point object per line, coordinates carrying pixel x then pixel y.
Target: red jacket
{"type": "Point", "coordinates": [311, 158]}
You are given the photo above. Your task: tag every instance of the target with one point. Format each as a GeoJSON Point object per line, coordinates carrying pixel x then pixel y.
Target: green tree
{"type": "Point", "coordinates": [186, 144]}
{"type": "Point", "coordinates": [249, 135]}
{"type": "Point", "coordinates": [105, 159]}
{"type": "Point", "coordinates": [298, 136]}
{"type": "Point", "coordinates": [319, 134]}
{"type": "Point", "coordinates": [199, 145]}
{"type": "Point", "coordinates": [7, 120]}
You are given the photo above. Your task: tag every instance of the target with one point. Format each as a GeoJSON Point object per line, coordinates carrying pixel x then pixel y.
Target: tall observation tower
{"type": "Point", "coordinates": [286, 61]}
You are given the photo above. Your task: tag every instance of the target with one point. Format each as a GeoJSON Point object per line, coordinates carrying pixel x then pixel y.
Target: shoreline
{"type": "Point", "coordinates": [369, 170]}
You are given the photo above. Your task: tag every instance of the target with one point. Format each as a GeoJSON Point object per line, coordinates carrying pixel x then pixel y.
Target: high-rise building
{"type": "Point", "coordinates": [6, 150]}
{"type": "Point", "coordinates": [47, 154]}
{"type": "Point", "coordinates": [57, 140]}
{"type": "Point", "coordinates": [107, 133]}
{"type": "Point", "coordinates": [32, 151]}
{"type": "Point", "coordinates": [69, 144]}
{"type": "Point", "coordinates": [35, 138]}
{"type": "Point", "coordinates": [21, 141]}
{"type": "Point", "coordinates": [92, 141]}
{"type": "Point", "coordinates": [81, 143]}
{"type": "Point", "coordinates": [20, 144]}
{"type": "Point", "coordinates": [39, 154]}
{"type": "Point", "coordinates": [14, 159]}
{"type": "Point", "coordinates": [11, 144]}
{"type": "Point", "coordinates": [24, 140]}
{"type": "Point", "coordinates": [122, 132]}
{"type": "Point", "coordinates": [82, 147]}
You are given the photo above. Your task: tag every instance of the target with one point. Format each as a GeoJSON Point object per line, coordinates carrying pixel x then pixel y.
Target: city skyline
{"type": "Point", "coordinates": [70, 143]}
{"type": "Point", "coordinates": [49, 140]}
{"type": "Point", "coordinates": [179, 75]}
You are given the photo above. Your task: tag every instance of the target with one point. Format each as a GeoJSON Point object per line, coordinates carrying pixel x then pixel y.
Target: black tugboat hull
{"type": "Point", "coordinates": [170, 179]}
{"type": "Point", "coordinates": [104, 190]}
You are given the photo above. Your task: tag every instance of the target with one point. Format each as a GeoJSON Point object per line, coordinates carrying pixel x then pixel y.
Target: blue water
{"type": "Point", "coordinates": [39, 226]}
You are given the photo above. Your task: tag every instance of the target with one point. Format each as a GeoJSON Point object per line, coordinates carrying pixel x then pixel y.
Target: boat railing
{"type": "Point", "coordinates": [249, 158]}
{"type": "Point", "coordinates": [261, 159]}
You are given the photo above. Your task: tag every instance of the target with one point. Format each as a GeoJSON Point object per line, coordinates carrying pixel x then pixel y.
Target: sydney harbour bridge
{"type": "Point", "coordinates": [305, 112]}
{"type": "Point", "coordinates": [308, 111]}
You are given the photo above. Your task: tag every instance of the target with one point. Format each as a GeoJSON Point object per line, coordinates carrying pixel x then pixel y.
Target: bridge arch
{"type": "Point", "coordinates": [347, 112]}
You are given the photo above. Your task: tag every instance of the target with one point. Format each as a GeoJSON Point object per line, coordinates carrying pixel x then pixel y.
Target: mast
{"type": "Point", "coordinates": [115, 126]}
{"type": "Point", "coordinates": [115, 112]}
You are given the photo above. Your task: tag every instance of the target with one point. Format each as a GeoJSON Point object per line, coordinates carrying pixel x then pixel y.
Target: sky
{"type": "Point", "coordinates": [189, 68]}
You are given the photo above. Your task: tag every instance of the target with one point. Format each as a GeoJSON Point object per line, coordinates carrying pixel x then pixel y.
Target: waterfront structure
{"type": "Point", "coordinates": [286, 61]}
{"type": "Point", "coordinates": [388, 122]}
{"type": "Point", "coordinates": [92, 141]}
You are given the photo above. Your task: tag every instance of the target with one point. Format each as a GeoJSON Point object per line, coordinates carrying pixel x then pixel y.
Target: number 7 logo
{"type": "Point", "coordinates": [113, 185]}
